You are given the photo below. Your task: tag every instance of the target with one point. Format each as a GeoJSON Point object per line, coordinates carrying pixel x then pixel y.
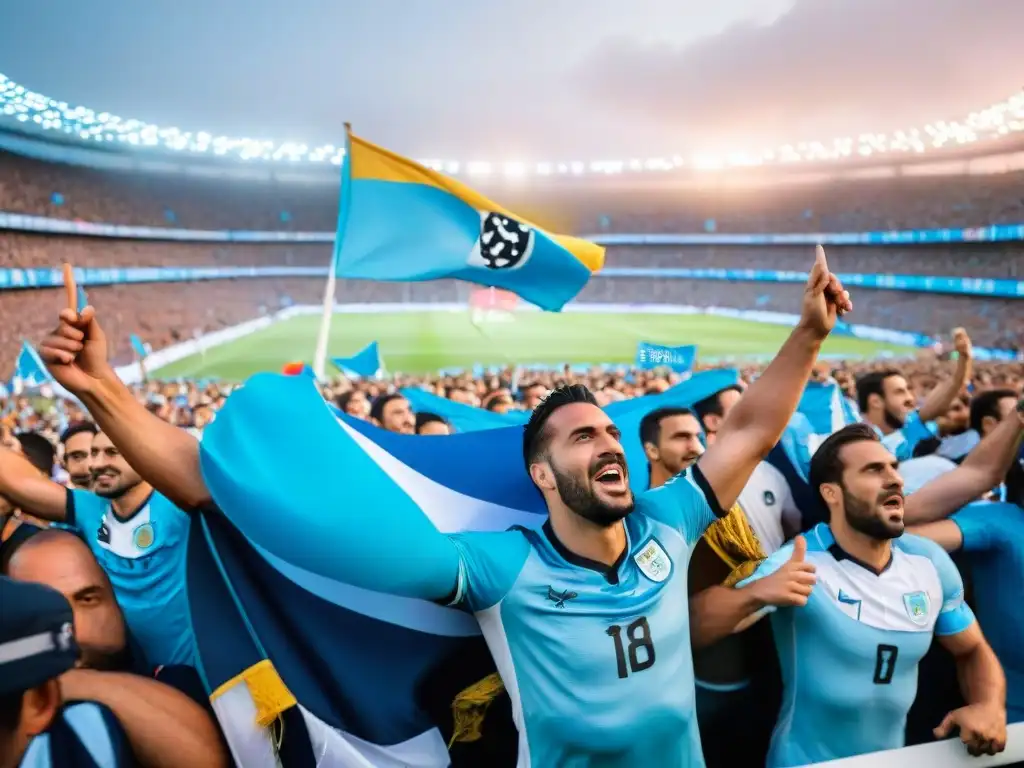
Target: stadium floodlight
{"type": "Point", "coordinates": [87, 125]}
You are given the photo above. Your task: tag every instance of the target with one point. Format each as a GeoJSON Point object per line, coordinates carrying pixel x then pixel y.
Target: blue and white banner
{"type": "Point", "coordinates": [678, 359]}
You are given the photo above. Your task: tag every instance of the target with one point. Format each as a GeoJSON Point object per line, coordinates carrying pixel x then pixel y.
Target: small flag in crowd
{"type": "Point", "coordinates": [366, 363]}
{"type": "Point", "coordinates": [139, 347]}
{"type": "Point", "coordinates": [29, 370]}
{"type": "Point", "coordinates": [677, 359]}
{"type": "Point", "coordinates": [401, 221]}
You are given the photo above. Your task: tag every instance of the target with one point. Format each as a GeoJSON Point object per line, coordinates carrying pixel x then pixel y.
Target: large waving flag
{"type": "Point", "coordinates": [351, 654]}
{"type": "Point", "coordinates": [366, 363]}
{"type": "Point", "coordinates": [402, 221]}
{"type": "Point", "coordinates": [465, 418]}
{"type": "Point", "coordinates": [470, 419]}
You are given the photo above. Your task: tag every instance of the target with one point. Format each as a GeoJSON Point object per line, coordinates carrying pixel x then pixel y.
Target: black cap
{"type": "Point", "coordinates": [36, 638]}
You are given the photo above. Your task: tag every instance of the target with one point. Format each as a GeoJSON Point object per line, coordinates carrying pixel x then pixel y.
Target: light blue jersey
{"type": "Point", "coordinates": [596, 660]}
{"type": "Point", "coordinates": [144, 555]}
{"type": "Point", "coordinates": [849, 657]}
{"type": "Point", "coordinates": [994, 539]}
{"type": "Point", "coordinates": [904, 440]}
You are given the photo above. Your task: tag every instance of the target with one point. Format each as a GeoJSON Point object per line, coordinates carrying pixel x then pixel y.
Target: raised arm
{"type": "Point", "coordinates": [982, 470]}
{"type": "Point", "coordinates": [165, 456]}
{"type": "Point", "coordinates": [164, 727]}
{"type": "Point", "coordinates": [25, 486]}
{"type": "Point", "coordinates": [757, 421]}
{"type": "Point", "coordinates": [941, 398]}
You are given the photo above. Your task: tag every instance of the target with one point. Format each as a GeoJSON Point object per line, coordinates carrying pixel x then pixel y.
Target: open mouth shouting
{"type": "Point", "coordinates": [612, 477]}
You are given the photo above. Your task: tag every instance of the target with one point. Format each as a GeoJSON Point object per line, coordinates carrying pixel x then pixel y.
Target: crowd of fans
{"type": "Point", "coordinates": [56, 465]}
{"type": "Point", "coordinates": [58, 439]}
{"type": "Point", "coordinates": [584, 205]}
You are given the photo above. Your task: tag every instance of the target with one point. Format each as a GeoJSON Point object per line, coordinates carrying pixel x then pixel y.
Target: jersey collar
{"type": "Point", "coordinates": [610, 573]}
{"type": "Point", "coordinates": [828, 541]}
{"type": "Point", "coordinates": [134, 512]}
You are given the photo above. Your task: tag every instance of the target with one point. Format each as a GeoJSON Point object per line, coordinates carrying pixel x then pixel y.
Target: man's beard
{"type": "Point", "coordinates": [103, 660]}
{"type": "Point", "coordinates": [578, 495]}
{"type": "Point", "coordinates": [893, 421]}
{"type": "Point", "coordinates": [115, 492]}
{"type": "Point", "coordinates": [82, 480]}
{"type": "Point", "coordinates": [860, 515]}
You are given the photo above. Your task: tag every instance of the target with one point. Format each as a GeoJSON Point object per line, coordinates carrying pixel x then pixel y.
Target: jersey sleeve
{"type": "Point", "coordinates": [686, 502]}
{"type": "Point", "coordinates": [955, 615]}
{"type": "Point", "coordinates": [83, 510]}
{"type": "Point", "coordinates": [489, 564]}
{"type": "Point", "coordinates": [986, 525]}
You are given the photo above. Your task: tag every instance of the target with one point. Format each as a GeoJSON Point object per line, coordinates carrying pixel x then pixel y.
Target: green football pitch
{"type": "Point", "coordinates": [424, 342]}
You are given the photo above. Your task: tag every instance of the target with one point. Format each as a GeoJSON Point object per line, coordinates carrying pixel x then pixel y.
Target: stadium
{"type": "Point", "coordinates": [208, 259]}
{"type": "Point", "coordinates": [70, 165]}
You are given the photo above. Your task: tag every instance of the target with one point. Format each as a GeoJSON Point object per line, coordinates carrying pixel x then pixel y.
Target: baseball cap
{"type": "Point", "coordinates": [36, 638]}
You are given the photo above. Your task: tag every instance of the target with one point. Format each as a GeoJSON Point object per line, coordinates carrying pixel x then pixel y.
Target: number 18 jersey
{"type": "Point", "coordinates": [596, 659]}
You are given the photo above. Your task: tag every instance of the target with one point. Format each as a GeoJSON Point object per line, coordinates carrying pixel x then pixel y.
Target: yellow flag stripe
{"type": "Point", "coordinates": [371, 162]}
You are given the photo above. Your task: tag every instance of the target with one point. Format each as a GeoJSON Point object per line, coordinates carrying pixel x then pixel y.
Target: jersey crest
{"type": "Point", "coordinates": [143, 536]}
{"type": "Point", "coordinates": [916, 604]}
{"type": "Point", "coordinates": [653, 561]}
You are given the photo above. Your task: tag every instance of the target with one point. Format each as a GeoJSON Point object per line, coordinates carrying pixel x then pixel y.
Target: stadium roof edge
{"type": "Point", "coordinates": [21, 140]}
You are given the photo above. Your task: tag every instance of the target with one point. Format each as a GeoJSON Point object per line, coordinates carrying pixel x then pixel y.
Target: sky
{"type": "Point", "coordinates": [524, 80]}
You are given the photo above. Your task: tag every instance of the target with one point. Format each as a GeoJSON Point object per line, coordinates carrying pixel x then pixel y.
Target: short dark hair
{"type": "Point", "coordinates": [650, 424]}
{"type": "Point", "coordinates": [873, 384]}
{"type": "Point", "coordinates": [987, 404]}
{"type": "Point", "coordinates": [712, 404]}
{"type": "Point", "coordinates": [826, 466]}
{"type": "Point", "coordinates": [38, 450]}
{"type": "Point", "coordinates": [426, 417]}
{"type": "Point", "coordinates": [380, 402]}
{"type": "Point", "coordinates": [535, 435]}
{"type": "Point", "coordinates": [77, 428]}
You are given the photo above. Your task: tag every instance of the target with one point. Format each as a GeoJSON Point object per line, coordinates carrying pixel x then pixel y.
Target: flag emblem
{"type": "Point", "coordinates": [504, 243]}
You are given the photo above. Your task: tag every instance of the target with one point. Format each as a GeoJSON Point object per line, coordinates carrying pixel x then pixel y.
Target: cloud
{"type": "Point", "coordinates": [827, 68]}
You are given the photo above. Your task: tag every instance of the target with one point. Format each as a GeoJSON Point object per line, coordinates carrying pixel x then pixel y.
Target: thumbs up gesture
{"type": "Point", "coordinates": [792, 584]}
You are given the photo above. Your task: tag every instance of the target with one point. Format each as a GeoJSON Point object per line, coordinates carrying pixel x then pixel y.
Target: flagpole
{"type": "Point", "coordinates": [320, 356]}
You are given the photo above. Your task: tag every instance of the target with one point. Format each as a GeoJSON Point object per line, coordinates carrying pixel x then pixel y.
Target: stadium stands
{"type": "Point", "coordinates": [185, 201]}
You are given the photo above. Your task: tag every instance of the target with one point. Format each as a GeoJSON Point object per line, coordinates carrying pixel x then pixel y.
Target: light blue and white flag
{"type": "Point", "coordinates": [29, 370]}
